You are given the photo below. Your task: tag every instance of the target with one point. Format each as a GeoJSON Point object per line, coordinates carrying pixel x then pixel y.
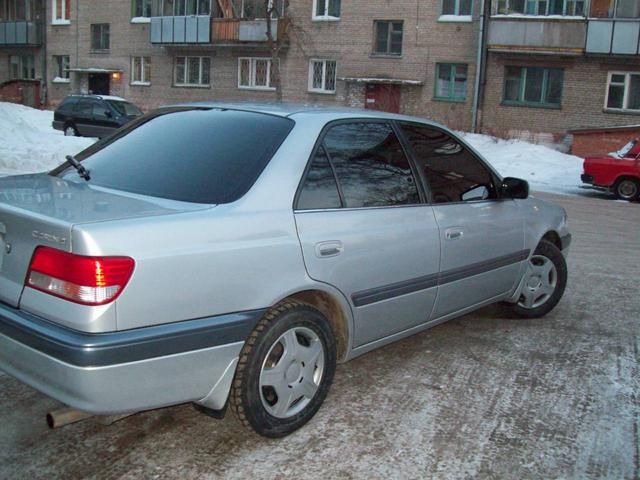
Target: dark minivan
{"type": "Point", "coordinates": [93, 115]}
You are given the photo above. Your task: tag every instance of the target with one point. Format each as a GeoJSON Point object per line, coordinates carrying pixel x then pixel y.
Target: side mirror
{"type": "Point", "coordinates": [514, 187]}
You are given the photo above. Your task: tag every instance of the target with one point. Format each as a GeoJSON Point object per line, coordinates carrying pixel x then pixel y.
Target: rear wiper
{"type": "Point", "coordinates": [83, 172]}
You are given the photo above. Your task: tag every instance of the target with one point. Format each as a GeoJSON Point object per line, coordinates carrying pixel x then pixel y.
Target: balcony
{"type": "Point", "coordinates": [613, 36]}
{"type": "Point", "coordinates": [19, 33]}
{"type": "Point", "coordinates": [537, 35]}
{"type": "Point", "coordinates": [206, 30]}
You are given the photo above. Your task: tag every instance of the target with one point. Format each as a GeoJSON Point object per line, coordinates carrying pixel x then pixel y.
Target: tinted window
{"type": "Point", "coordinates": [319, 189]}
{"type": "Point", "coordinates": [67, 105]}
{"type": "Point", "coordinates": [452, 172]}
{"type": "Point", "coordinates": [85, 108]}
{"type": "Point", "coordinates": [125, 108]}
{"type": "Point", "coordinates": [100, 111]}
{"type": "Point", "coordinates": [201, 155]}
{"type": "Point", "coordinates": [370, 165]}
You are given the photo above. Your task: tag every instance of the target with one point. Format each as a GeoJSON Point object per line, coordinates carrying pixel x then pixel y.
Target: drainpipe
{"type": "Point", "coordinates": [45, 75]}
{"type": "Point", "coordinates": [479, 68]}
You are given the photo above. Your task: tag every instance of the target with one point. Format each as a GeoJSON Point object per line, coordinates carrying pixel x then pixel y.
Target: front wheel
{"type": "Point", "coordinates": [627, 189]}
{"type": "Point", "coordinates": [543, 283]}
{"type": "Point", "coordinates": [285, 370]}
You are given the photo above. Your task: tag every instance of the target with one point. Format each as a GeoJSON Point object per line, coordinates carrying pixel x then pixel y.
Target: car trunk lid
{"type": "Point", "coordinates": [42, 210]}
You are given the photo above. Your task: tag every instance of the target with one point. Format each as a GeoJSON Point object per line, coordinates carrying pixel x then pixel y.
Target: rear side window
{"type": "Point", "coordinates": [193, 155]}
{"type": "Point", "coordinates": [85, 107]}
{"type": "Point", "coordinates": [453, 173]}
{"type": "Point", "coordinates": [370, 165]}
{"type": "Point", "coordinates": [67, 105]}
{"type": "Point", "coordinates": [319, 190]}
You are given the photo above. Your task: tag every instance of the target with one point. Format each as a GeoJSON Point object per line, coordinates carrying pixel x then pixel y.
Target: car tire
{"type": "Point", "coordinates": [285, 370]}
{"type": "Point", "coordinates": [627, 189]}
{"type": "Point", "coordinates": [70, 131]}
{"type": "Point", "coordinates": [543, 283]}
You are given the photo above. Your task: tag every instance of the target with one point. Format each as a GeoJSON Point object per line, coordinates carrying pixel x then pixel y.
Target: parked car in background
{"type": "Point", "coordinates": [618, 172]}
{"type": "Point", "coordinates": [229, 254]}
{"type": "Point", "coordinates": [93, 115]}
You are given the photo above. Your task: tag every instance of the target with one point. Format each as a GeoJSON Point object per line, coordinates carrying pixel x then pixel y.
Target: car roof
{"type": "Point", "coordinates": [99, 97]}
{"type": "Point", "coordinates": [286, 109]}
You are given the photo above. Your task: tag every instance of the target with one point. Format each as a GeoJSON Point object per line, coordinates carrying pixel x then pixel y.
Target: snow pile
{"type": "Point", "coordinates": [28, 142]}
{"type": "Point", "coordinates": [544, 168]}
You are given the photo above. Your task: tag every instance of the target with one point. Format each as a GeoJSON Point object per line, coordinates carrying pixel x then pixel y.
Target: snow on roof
{"type": "Point", "coordinates": [391, 81]}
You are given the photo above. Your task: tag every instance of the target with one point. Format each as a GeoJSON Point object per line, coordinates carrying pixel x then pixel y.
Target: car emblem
{"type": "Point", "coordinates": [48, 237]}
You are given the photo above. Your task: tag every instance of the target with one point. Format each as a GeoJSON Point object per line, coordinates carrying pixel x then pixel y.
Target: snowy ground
{"type": "Point", "coordinates": [29, 144]}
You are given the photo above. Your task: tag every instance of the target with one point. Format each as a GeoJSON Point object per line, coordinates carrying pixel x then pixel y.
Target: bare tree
{"type": "Point", "coordinates": [276, 43]}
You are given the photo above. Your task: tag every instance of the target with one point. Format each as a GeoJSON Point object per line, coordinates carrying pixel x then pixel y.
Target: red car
{"type": "Point", "coordinates": [619, 172]}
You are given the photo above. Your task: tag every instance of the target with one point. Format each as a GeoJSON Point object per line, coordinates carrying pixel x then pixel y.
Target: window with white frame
{"type": "Point", "coordinates": [543, 7]}
{"type": "Point", "coordinates": [22, 67]}
{"type": "Point", "coordinates": [61, 65]}
{"type": "Point", "coordinates": [60, 10]}
{"type": "Point", "coordinates": [192, 71]}
{"type": "Point", "coordinates": [255, 73]}
{"type": "Point", "coordinates": [623, 91]}
{"type": "Point", "coordinates": [326, 9]}
{"type": "Point", "coordinates": [140, 70]}
{"type": "Point", "coordinates": [457, 7]}
{"type": "Point", "coordinates": [322, 76]}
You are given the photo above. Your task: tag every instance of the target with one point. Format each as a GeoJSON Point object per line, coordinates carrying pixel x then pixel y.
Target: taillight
{"type": "Point", "coordinates": [80, 279]}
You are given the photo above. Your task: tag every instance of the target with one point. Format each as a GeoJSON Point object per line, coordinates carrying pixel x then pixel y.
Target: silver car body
{"type": "Point", "coordinates": [205, 274]}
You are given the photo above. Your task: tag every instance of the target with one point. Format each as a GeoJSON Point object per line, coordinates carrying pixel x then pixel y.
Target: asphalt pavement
{"type": "Point", "coordinates": [482, 396]}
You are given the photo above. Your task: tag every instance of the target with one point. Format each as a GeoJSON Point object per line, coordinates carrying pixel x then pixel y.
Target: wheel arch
{"type": "Point", "coordinates": [552, 237]}
{"type": "Point", "coordinates": [335, 311]}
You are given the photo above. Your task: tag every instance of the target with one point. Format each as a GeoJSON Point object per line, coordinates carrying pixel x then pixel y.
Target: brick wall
{"type": "Point", "coordinates": [583, 98]}
{"type": "Point", "coordinates": [348, 41]}
{"type": "Point", "coordinates": [598, 143]}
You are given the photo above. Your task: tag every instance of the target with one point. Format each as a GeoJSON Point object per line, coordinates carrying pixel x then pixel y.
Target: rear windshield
{"type": "Point", "coordinates": [125, 108]}
{"type": "Point", "coordinates": [197, 155]}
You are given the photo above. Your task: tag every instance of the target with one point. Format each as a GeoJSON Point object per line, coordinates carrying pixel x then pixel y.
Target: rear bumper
{"type": "Point", "coordinates": [125, 371]}
{"type": "Point", "coordinates": [586, 178]}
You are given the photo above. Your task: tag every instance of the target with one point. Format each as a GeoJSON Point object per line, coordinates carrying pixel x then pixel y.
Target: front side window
{"type": "Point", "coordinates": [322, 76]}
{"type": "Point", "coordinates": [61, 65]}
{"type": "Point", "coordinates": [370, 165]}
{"type": "Point", "coordinates": [388, 37]}
{"type": "Point", "coordinates": [141, 8]}
{"type": "Point", "coordinates": [192, 71]}
{"type": "Point", "coordinates": [100, 36]}
{"type": "Point", "coordinates": [623, 91]}
{"type": "Point", "coordinates": [255, 73]}
{"type": "Point", "coordinates": [533, 86]}
{"type": "Point", "coordinates": [326, 9]}
{"type": "Point", "coordinates": [140, 71]}
{"type": "Point", "coordinates": [456, 7]}
{"type": "Point", "coordinates": [60, 10]}
{"type": "Point", "coordinates": [451, 81]}
{"type": "Point", "coordinates": [22, 67]}
{"type": "Point", "coordinates": [190, 155]}
{"type": "Point", "coordinates": [542, 7]}
{"type": "Point", "coordinates": [453, 173]}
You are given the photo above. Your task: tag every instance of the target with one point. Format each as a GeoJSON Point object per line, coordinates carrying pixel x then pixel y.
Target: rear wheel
{"type": "Point", "coordinates": [70, 131]}
{"type": "Point", "coordinates": [285, 370]}
{"type": "Point", "coordinates": [627, 189]}
{"type": "Point", "coordinates": [543, 283]}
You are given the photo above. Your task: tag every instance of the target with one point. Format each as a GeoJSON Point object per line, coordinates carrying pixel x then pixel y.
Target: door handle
{"type": "Point", "coordinates": [330, 248]}
{"type": "Point", "coordinates": [453, 234]}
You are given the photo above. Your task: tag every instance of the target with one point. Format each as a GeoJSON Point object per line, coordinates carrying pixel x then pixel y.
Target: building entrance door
{"type": "Point", "coordinates": [383, 97]}
{"type": "Point", "coordinates": [99, 83]}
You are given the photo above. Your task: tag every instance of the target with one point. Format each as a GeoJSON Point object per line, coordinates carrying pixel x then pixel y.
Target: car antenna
{"type": "Point", "coordinates": [83, 172]}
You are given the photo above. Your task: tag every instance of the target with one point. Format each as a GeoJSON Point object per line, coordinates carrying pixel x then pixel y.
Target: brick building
{"type": "Point", "coordinates": [549, 66]}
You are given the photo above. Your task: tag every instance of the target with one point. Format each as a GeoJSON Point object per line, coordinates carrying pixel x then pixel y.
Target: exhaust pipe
{"type": "Point", "coordinates": [66, 416]}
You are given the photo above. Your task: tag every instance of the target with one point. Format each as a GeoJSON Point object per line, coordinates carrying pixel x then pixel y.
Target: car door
{"type": "Point", "coordinates": [104, 122]}
{"type": "Point", "coordinates": [481, 234]}
{"type": "Point", "coordinates": [364, 228]}
{"type": "Point", "coordinates": [84, 117]}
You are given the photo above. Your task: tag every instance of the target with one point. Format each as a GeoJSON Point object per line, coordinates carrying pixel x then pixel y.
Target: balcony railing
{"type": "Point", "coordinates": [19, 33]}
{"type": "Point", "coordinates": [537, 34]}
{"type": "Point", "coordinates": [206, 30]}
{"type": "Point", "coordinates": [613, 37]}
